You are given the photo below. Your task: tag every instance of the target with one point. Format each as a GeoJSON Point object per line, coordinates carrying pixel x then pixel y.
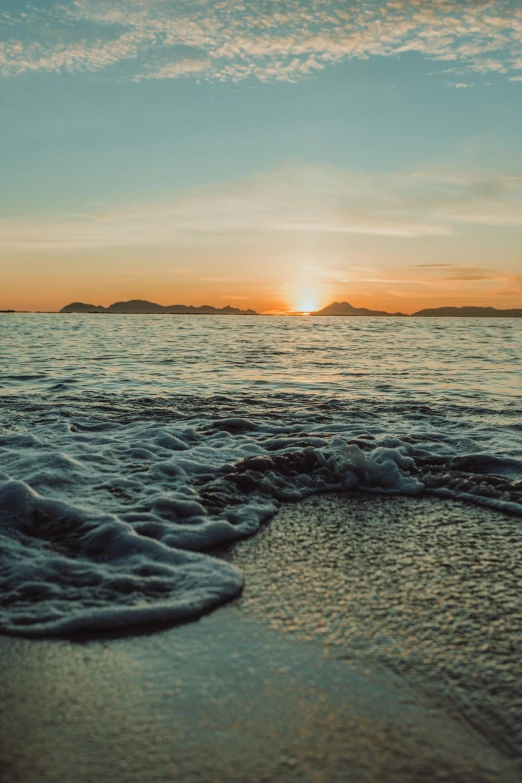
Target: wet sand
{"type": "Point", "coordinates": [335, 665]}
{"type": "Point", "coordinates": [427, 587]}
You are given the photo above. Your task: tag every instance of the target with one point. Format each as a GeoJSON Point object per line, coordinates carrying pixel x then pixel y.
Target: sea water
{"type": "Point", "coordinates": [131, 445]}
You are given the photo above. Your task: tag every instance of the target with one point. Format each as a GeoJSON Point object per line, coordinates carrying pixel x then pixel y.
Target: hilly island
{"type": "Point", "coordinates": [340, 309]}
{"type": "Point", "coordinates": [142, 307]}
{"type": "Point", "coordinates": [346, 309]}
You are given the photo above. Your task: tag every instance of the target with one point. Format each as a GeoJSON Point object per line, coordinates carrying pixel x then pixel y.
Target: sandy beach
{"type": "Point", "coordinates": [429, 588]}
{"type": "Point", "coordinates": [338, 663]}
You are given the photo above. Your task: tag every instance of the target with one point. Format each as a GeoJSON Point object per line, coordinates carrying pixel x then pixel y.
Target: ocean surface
{"type": "Point", "coordinates": [129, 445]}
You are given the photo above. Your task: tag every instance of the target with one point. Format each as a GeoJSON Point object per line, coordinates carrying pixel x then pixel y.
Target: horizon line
{"type": "Point", "coordinates": [251, 311]}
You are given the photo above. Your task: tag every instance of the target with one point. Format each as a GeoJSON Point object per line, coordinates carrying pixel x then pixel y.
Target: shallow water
{"type": "Point", "coordinates": [129, 444]}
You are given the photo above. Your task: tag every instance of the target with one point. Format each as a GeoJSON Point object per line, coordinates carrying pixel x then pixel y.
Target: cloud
{"type": "Point", "coordinates": [254, 39]}
{"type": "Point", "coordinates": [299, 199]}
{"type": "Point", "coordinates": [421, 278]}
{"type": "Point", "coordinates": [468, 273]}
{"type": "Point", "coordinates": [473, 278]}
{"type": "Point", "coordinates": [186, 67]}
{"type": "Point", "coordinates": [16, 58]}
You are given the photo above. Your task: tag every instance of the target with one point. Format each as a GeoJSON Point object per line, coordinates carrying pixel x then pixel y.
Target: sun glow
{"type": "Point", "coordinates": [308, 293]}
{"type": "Point", "coordinates": [307, 303]}
{"type": "Point", "coordinates": [308, 299]}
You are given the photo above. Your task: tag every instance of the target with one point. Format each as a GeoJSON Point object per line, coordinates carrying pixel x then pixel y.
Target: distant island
{"type": "Point", "coordinates": [344, 308]}
{"type": "Point", "coordinates": [468, 312]}
{"type": "Point", "coordinates": [142, 307]}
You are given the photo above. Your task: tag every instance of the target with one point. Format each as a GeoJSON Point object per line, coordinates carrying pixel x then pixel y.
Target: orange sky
{"type": "Point", "coordinates": [34, 284]}
{"type": "Point", "coordinates": [294, 238]}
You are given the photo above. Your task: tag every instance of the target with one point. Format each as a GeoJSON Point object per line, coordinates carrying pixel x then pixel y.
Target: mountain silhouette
{"type": "Point", "coordinates": [344, 308]}
{"type": "Point", "coordinates": [80, 307]}
{"type": "Point", "coordinates": [468, 312]}
{"type": "Point", "coordinates": [143, 307]}
{"type": "Point", "coordinates": [136, 306]}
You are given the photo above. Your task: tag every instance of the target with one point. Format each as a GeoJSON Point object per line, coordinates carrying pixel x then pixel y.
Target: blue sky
{"type": "Point", "coordinates": [264, 152]}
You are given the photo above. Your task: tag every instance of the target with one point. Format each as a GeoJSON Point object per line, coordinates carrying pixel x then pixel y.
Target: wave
{"type": "Point", "coordinates": [105, 519]}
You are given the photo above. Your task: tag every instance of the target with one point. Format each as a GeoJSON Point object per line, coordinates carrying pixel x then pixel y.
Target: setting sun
{"type": "Point", "coordinates": [307, 303]}
{"type": "Point", "coordinates": [307, 296]}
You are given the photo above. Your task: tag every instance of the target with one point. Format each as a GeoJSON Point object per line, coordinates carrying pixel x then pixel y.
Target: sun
{"type": "Point", "coordinates": [306, 295]}
{"type": "Point", "coordinates": [307, 303]}
{"type": "Point", "coordinates": [305, 299]}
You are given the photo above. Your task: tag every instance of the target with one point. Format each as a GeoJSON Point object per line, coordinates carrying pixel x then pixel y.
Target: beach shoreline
{"type": "Point", "coordinates": [241, 694]}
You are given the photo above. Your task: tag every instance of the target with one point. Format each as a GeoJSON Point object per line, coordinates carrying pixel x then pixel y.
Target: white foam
{"type": "Point", "coordinates": [64, 568]}
{"type": "Point", "coordinates": [104, 524]}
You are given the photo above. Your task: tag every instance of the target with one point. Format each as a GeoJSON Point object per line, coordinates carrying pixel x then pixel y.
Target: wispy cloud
{"type": "Point", "coordinates": [304, 199]}
{"type": "Point", "coordinates": [426, 276]}
{"type": "Point", "coordinates": [186, 67]}
{"type": "Point", "coordinates": [474, 274]}
{"type": "Point", "coordinates": [268, 41]}
{"type": "Point", "coordinates": [459, 85]}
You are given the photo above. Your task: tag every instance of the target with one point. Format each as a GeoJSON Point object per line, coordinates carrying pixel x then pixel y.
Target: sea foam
{"type": "Point", "coordinates": [105, 523]}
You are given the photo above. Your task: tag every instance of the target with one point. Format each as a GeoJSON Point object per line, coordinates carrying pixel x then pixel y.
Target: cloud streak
{"type": "Point", "coordinates": [269, 41]}
{"type": "Point", "coordinates": [478, 277]}
{"type": "Point", "coordinates": [299, 199]}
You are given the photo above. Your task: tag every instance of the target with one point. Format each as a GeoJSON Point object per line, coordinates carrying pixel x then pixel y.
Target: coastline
{"type": "Point", "coordinates": [286, 683]}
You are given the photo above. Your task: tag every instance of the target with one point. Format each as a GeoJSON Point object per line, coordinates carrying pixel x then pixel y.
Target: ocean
{"type": "Point", "coordinates": [132, 445]}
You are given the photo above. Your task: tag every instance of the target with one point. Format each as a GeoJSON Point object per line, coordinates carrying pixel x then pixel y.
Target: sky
{"type": "Point", "coordinates": [274, 155]}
